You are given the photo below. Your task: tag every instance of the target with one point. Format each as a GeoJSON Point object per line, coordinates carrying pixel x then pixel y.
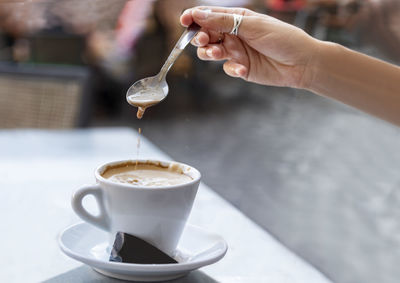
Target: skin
{"type": "Point", "coordinates": [270, 52]}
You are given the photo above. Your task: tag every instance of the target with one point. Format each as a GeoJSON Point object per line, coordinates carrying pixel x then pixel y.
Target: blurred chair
{"type": "Point", "coordinates": [44, 96]}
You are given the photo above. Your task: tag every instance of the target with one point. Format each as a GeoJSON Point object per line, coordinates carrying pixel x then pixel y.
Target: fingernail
{"type": "Point", "coordinates": [209, 52]}
{"type": "Point", "coordinates": [201, 14]}
{"type": "Point", "coordinates": [238, 72]}
{"type": "Point", "coordinates": [196, 41]}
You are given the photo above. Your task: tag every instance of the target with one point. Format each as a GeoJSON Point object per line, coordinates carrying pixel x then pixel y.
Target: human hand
{"type": "Point", "coordinates": [265, 51]}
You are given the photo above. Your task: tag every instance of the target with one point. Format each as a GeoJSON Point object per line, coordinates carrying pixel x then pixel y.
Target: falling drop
{"type": "Point", "coordinates": [138, 147]}
{"type": "Point", "coordinates": [140, 112]}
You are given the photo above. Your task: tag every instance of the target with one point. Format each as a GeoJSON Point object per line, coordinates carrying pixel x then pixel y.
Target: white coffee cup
{"type": "Point", "coordinates": [155, 214]}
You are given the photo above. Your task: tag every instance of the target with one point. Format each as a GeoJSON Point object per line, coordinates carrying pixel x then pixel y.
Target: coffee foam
{"type": "Point", "coordinates": [147, 174]}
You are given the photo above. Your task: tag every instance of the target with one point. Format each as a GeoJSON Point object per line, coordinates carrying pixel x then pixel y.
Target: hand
{"type": "Point", "coordinates": [265, 51]}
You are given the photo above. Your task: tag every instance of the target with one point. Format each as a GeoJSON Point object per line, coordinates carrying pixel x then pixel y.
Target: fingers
{"type": "Point", "coordinates": [212, 52]}
{"type": "Point", "coordinates": [205, 37]}
{"type": "Point", "coordinates": [229, 48]}
{"type": "Point", "coordinates": [213, 40]}
{"type": "Point", "coordinates": [186, 17]}
{"type": "Point", "coordinates": [222, 22]}
{"type": "Point", "coordinates": [215, 18]}
{"type": "Point", "coordinates": [217, 52]}
{"type": "Point", "coordinates": [235, 69]}
{"type": "Point", "coordinates": [201, 39]}
{"type": "Point", "coordinates": [241, 11]}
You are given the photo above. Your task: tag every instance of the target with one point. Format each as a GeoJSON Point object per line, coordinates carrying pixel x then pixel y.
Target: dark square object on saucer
{"type": "Point", "coordinates": [131, 249]}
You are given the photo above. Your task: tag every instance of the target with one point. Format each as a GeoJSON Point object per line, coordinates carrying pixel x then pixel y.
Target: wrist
{"type": "Point", "coordinates": [316, 67]}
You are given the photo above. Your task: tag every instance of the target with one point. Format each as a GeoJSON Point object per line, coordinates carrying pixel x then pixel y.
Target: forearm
{"type": "Point", "coordinates": [358, 80]}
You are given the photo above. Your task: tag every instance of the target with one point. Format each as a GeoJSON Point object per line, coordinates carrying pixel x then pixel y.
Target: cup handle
{"type": "Point", "coordinates": [101, 221]}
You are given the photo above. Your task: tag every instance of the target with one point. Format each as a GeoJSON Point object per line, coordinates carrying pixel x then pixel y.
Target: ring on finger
{"type": "Point", "coordinates": [237, 20]}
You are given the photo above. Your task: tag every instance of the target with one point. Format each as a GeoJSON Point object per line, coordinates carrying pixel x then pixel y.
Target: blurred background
{"type": "Point", "coordinates": [321, 177]}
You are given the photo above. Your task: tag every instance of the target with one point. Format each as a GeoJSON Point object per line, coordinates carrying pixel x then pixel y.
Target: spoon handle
{"type": "Point", "coordinates": [187, 36]}
{"type": "Point", "coordinates": [183, 41]}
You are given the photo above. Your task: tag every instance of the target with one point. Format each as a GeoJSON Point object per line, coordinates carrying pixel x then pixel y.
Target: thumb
{"type": "Point", "coordinates": [222, 22]}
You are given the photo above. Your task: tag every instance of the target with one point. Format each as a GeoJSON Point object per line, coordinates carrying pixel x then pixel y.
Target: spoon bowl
{"type": "Point", "coordinates": [147, 85]}
{"type": "Point", "coordinates": [147, 92]}
{"type": "Point", "coordinates": [152, 90]}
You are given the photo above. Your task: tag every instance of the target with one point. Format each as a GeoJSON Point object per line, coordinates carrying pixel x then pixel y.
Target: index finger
{"type": "Point", "coordinates": [187, 19]}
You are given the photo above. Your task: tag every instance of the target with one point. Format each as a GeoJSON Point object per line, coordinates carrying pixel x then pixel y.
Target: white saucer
{"type": "Point", "coordinates": [89, 245]}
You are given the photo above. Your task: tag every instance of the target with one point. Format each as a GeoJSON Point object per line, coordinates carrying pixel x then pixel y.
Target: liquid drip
{"type": "Point", "coordinates": [140, 112]}
{"type": "Point", "coordinates": [151, 95]}
{"type": "Point", "coordinates": [145, 98]}
{"type": "Point", "coordinates": [138, 147]}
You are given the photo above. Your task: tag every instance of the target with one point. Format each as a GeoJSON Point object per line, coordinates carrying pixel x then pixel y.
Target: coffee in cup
{"type": "Point", "coordinates": [146, 198]}
{"type": "Point", "coordinates": [146, 174]}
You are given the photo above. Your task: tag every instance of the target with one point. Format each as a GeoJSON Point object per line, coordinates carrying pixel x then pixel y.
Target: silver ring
{"type": "Point", "coordinates": [237, 20]}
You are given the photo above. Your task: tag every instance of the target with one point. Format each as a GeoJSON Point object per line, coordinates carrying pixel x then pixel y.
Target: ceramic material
{"type": "Point", "coordinates": [89, 245]}
{"type": "Point", "coordinates": [155, 214]}
{"type": "Point", "coordinates": [44, 211]}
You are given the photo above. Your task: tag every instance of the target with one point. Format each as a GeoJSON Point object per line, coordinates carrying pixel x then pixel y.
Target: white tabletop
{"type": "Point", "coordinates": [39, 170]}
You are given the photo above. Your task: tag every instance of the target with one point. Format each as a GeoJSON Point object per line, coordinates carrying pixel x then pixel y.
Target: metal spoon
{"type": "Point", "coordinates": [152, 90]}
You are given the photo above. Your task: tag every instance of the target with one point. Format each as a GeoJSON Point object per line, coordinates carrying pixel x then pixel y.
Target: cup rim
{"type": "Point", "coordinates": [101, 179]}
